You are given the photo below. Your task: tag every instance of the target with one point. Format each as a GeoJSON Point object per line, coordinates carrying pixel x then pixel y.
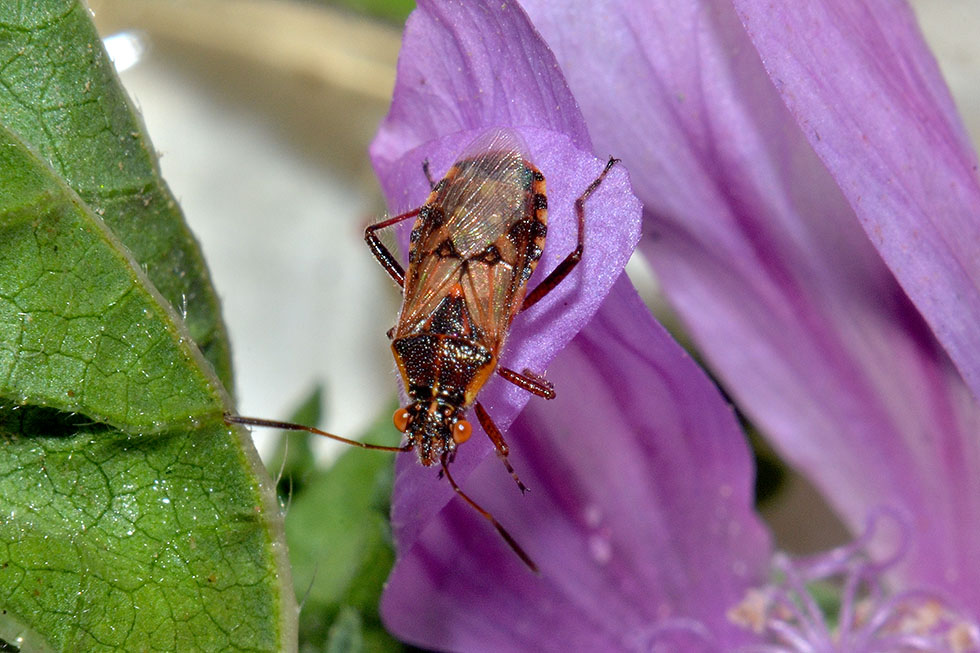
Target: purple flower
{"type": "Point", "coordinates": [810, 203]}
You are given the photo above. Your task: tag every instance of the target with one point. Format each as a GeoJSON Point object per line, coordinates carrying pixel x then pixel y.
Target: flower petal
{"type": "Point", "coordinates": [468, 66]}
{"type": "Point", "coordinates": [762, 255]}
{"type": "Point", "coordinates": [639, 515]}
{"type": "Point", "coordinates": [445, 96]}
{"type": "Point", "coordinates": [611, 232]}
{"type": "Point", "coordinates": [890, 136]}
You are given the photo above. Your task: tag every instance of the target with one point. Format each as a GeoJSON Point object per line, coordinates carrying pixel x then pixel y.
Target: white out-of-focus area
{"type": "Point", "coordinates": [952, 28]}
{"type": "Point", "coordinates": [125, 49]}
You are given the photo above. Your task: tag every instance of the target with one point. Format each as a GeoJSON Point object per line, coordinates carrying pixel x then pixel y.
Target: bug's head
{"type": "Point", "coordinates": [433, 428]}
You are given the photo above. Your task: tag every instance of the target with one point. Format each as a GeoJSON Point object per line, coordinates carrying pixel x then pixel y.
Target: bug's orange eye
{"type": "Point", "coordinates": [462, 431]}
{"type": "Point", "coordinates": [400, 418]}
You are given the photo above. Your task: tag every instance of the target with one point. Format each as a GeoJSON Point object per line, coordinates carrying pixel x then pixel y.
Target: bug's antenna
{"type": "Point", "coordinates": [289, 426]}
{"type": "Point", "coordinates": [511, 542]}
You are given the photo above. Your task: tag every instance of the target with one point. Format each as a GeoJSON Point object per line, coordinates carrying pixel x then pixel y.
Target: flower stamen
{"type": "Point", "coordinates": [869, 618]}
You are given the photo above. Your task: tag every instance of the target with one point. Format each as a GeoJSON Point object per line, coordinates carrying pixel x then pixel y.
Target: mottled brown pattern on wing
{"type": "Point", "coordinates": [480, 232]}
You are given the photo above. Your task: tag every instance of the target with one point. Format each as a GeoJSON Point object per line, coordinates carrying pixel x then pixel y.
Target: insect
{"type": "Point", "coordinates": [474, 245]}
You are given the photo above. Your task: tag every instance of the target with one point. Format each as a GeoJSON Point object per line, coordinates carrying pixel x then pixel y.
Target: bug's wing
{"type": "Point", "coordinates": [477, 239]}
{"type": "Point", "coordinates": [486, 191]}
{"type": "Point", "coordinates": [427, 283]}
{"type": "Point", "coordinates": [494, 286]}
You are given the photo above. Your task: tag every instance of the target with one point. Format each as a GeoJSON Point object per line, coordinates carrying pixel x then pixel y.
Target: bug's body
{"type": "Point", "coordinates": [475, 244]}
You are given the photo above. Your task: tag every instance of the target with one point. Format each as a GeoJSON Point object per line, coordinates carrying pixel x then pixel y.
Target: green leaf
{"type": "Point", "coordinates": [131, 516]}
{"type": "Point", "coordinates": [341, 548]}
{"type": "Point", "coordinates": [59, 92]}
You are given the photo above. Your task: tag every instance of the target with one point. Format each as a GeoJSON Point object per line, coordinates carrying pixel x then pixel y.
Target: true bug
{"type": "Point", "coordinates": [475, 244]}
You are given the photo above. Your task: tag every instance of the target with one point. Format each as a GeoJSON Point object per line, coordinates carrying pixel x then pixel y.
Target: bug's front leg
{"type": "Point", "coordinates": [498, 442]}
{"type": "Point", "coordinates": [511, 542]}
{"type": "Point", "coordinates": [382, 253]}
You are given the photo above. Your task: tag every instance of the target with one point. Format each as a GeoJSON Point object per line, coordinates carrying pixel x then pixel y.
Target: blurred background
{"type": "Point", "coordinates": [262, 112]}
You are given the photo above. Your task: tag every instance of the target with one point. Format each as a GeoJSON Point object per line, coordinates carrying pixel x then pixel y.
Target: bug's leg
{"type": "Point", "coordinates": [384, 256]}
{"type": "Point", "coordinates": [289, 426]}
{"type": "Point", "coordinates": [428, 174]}
{"type": "Point", "coordinates": [450, 456]}
{"type": "Point", "coordinates": [498, 443]}
{"type": "Point", "coordinates": [511, 542]}
{"type": "Point", "coordinates": [528, 380]}
{"type": "Point", "coordinates": [567, 265]}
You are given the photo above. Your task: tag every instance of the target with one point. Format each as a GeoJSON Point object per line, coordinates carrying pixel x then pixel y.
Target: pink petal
{"type": "Point", "coordinates": [451, 78]}
{"type": "Point", "coordinates": [640, 513]}
{"type": "Point", "coordinates": [763, 256]}
{"type": "Point", "coordinates": [891, 138]}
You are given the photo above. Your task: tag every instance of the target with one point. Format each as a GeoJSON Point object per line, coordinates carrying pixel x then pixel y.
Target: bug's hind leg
{"type": "Point", "coordinates": [528, 380]}
{"type": "Point", "coordinates": [559, 273]}
{"type": "Point", "coordinates": [498, 442]}
{"type": "Point", "coordinates": [382, 253]}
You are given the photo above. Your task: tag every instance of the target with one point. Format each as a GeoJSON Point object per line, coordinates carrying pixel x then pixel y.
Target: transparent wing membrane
{"type": "Point", "coordinates": [480, 244]}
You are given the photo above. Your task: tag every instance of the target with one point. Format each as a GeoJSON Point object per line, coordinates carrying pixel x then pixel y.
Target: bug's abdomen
{"type": "Point", "coordinates": [443, 367]}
